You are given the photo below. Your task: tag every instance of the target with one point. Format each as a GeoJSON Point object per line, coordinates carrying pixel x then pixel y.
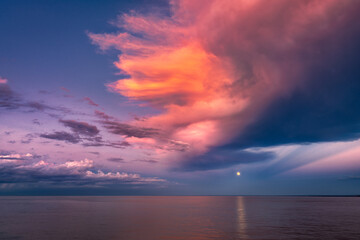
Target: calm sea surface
{"type": "Point", "coordinates": [52, 218]}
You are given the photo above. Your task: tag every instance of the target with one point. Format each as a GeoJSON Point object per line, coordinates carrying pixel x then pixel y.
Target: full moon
{"type": "Point", "coordinates": [238, 173]}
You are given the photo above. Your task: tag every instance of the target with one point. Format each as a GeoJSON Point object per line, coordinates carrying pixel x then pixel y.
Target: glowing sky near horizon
{"type": "Point", "coordinates": [174, 97]}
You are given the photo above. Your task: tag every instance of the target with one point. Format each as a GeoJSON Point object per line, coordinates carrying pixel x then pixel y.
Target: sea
{"type": "Point", "coordinates": [179, 217]}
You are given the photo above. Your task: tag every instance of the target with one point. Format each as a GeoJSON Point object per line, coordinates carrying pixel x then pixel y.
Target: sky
{"type": "Point", "coordinates": [176, 97]}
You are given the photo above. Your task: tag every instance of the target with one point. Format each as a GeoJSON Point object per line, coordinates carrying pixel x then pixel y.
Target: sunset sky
{"type": "Point", "coordinates": [176, 97]}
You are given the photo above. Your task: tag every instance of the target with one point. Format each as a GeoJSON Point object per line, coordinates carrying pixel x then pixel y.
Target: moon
{"type": "Point", "coordinates": [238, 174]}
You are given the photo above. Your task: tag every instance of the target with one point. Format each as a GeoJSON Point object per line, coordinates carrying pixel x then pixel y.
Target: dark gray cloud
{"type": "Point", "coordinates": [37, 106]}
{"type": "Point", "coordinates": [95, 153]}
{"type": "Point", "coordinates": [82, 128]}
{"type": "Point", "coordinates": [28, 138]}
{"type": "Point", "coordinates": [148, 161]}
{"type": "Point", "coordinates": [87, 141]}
{"type": "Point", "coordinates": [99, 142]}
{"type": "Point", "coordinates": [36, 122]}
{"type": "Point", "coordinates": [128, 130]}
{"type": "Point", "coordinates": [103, 115]}
{"type": "Point", "coordinates": [116, 127]}
{"type": "Point", "coordinates": [117, 159]}
{"type": "Point", "coordinates": [62, 136]}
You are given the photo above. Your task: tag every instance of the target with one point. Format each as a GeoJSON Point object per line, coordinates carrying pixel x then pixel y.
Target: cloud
{"type": "Point", "coordinates": [10, 100]}
{"type": "Point", "coordinates": [28, 138]}
{"type": "Point", "coordinates": [117, 159]}
{"type": "Point", "coordinates": [8, 156]}
{"type": "Point", "coordinates": [152, 161]}
{"type": "Point", "coordinates": [214, 78]}
{"type": "Point", "coordinates": [128, 130]}
{"type": "Point", "coordinates": [82, 128]}
{"type": "Point", "coordinates": [62, 136]}
{"type": "Point", "coordinates": [87, 141]}
{"type": "Point", "coordinates": [143, 137]}
{"type": "Point", "coordinates": [90, 101]}
{"type": "Point", "coordinates": [95, 153]}
{"type": "Point", "coordinates": [70, 172]}
{"type": "Point", "coordinates": [65, 89]}
{"type": "Point", "coordinates": [103, 115]}
{"type": "Point", "coordinates": [36, 122]}
{"type": "Point", "coordinates": [321, 110]}
{"type": "Point", "coordinates": [3, 80]}
{"type": "Point", "coordinates": [84, 133]}
{"type": "Point", "coordinates": [223, 158]}
{"type": "Point", "coordinates": [122, 177]}
{"type": "Point", "coordinates": [101, 143]}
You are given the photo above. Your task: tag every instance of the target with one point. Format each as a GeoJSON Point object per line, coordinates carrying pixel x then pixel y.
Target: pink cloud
{"type": "Point", "coordinates": [213, 66]}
